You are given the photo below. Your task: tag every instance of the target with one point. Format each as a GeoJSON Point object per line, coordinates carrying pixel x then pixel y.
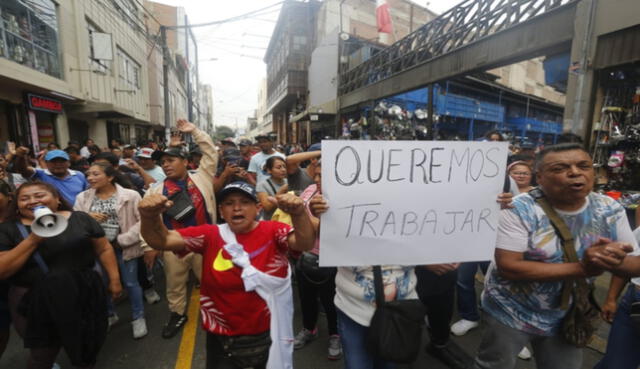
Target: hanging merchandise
{"type": "Point", "coordinates": [616, 134]}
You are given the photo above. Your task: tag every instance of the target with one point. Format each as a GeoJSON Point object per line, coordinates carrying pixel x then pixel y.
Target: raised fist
{"type": "Point", "coordinates": [153, 205]}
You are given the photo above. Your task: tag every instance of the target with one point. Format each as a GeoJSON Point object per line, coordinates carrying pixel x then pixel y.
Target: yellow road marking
{"type": "Point", "coordinates": [188, 340]}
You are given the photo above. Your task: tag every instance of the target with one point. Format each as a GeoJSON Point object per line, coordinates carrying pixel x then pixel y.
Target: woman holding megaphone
{"type": "Point", "coordinates": [56, 299]}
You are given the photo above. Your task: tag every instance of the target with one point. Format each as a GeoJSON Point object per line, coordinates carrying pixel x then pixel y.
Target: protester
{"type": "Point", "coordinates": [84, 151]}
{"type": "Point", "coordinates": [52, 146]}
{"type": "Point", "coordinates": [195, 156]}
{"type": "Point", "coordinates": [299, 179]}
{"type": "Point", "coordinates": [129, 179]}
{"type": "Point", "coordinates": [245, 146]}
{"type": "Point", "coordinates": [227, 308]}
{"type": "Point", "coordinates": [56, 299]}
{"type": "Point", "coordinates": [522, 298]}
{"type": "Point", "coordinates": [355, 303]}
{"type": "Point", "coordinates": [256, 165]}
{"type": "Point", "coordinates": [316, 284]}
{"type": "Point", "coordinates": [93, 151]}
{"type": "Point", "coordinates": [148, 164]}
{"type": "Point", "coordinates": [273, 185]}
{"type": "Point", "coordinates": [6, 199]}
{"type": "Point", "coordinates": [12, 179]}
{"type": "Point", "coordinates": [128, 151]}
{"type": "Point", "coordinates": [233, 170]}
{"type": "Point", "coordinates": [68, 182]}
{"type": "Point", "coordinates": [522, 174]}
{"type": "Point", "coordinates": [138, 180]}
{"type": "Point", "coordinates": [194, 195]}
{"type": "Point", "coordinates": [77, 162]}
{"type": "Point", "coordinates": [494, 135]}
{"type": "Point", "coordinates": [116, 209]}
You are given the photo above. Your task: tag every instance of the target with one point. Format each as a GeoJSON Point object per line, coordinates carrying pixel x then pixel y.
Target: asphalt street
{"type": "Point", "coordinates": [186, 350]}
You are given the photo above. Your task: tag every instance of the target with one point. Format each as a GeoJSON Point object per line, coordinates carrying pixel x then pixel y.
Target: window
{"type": "Point", "coordinates": [129, 71]}
{"type": "Point", "coordinates": [101, 66]}
{"type": "Point", "coordinates": [299, 43]}
{"type": "Point", "coordinates": [129, 13]}
{"type": "Point", "coordinates": [29, 34]}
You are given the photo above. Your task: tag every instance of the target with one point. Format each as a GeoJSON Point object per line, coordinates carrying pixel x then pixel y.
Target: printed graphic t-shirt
{"type": "Point", "coordinates": [534, 307]}
{"type": "Point", "coordinates": [227, 309]}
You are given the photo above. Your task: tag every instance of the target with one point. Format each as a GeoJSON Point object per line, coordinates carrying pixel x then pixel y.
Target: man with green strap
{"type": "Point", "coordinates": [523, 292]}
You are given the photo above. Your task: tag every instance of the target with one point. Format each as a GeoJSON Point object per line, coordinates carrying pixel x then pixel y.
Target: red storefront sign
{"type": "Point", "coordinates": [44, 104]}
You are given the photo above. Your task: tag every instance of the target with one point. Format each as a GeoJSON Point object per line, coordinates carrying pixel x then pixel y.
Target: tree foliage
{"type": "Point", "coordinates": [223, 132]}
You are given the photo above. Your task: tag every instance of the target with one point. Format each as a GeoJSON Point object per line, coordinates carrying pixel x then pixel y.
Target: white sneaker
{"type": "Point", "coordinates": [462, 326]}
{"type": "Point", "coordinates": [151, 296]}
{"type": "Point", "coordinates": [55, 366]}
{"type": "Point", "coordinates": [139, 328]}
{"type": "Point", "coordinates": [524, 354]}
{"type": "Point", "coordinates": [113, 319]}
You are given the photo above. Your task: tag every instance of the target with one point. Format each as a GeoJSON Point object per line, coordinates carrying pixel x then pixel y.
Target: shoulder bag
{"type": "Point", "coordinates": [583, 317]}
{"type": "Point", "coordinates": [395, 331]}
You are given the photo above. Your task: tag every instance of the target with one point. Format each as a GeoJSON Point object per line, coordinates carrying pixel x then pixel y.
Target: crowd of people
{"type": "Point", "coordinates": [243, 218]}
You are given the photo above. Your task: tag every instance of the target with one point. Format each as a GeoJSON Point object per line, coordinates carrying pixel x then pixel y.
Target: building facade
{"type": "Point", "coordinates": [81, 62]}
{"type": "Point", "coordinates": [78, 69]}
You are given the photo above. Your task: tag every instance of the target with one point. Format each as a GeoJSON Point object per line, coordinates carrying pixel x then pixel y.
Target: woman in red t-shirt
{"type": "Point", "coordinates": [227, 309]}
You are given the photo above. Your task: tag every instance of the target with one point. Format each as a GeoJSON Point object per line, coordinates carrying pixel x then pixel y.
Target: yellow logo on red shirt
{"type": "Point", "coordinates": [221, 264]}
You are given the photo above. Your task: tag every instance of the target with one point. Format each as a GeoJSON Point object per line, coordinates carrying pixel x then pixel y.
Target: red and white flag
{"type": "Point", "coordinates": [383, 17]}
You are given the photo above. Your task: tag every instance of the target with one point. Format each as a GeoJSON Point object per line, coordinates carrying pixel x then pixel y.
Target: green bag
{"type": "Point", "coordinates": [582, 320]}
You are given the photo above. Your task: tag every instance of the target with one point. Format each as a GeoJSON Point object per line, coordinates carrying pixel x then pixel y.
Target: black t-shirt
{"type": "Point", "coordinates": [72, 249]}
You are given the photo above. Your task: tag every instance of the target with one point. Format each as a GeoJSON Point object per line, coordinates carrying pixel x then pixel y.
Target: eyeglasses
{"type": "Point", "coordinates": [523, 174]}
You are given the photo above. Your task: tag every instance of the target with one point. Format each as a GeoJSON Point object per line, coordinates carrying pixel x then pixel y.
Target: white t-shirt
{"type": "Point", "coordinates": [256, 165]}
{"type": "Point", "coordinates": [157, 173]}
{"type": "Point", "coordinates": [355, 291]}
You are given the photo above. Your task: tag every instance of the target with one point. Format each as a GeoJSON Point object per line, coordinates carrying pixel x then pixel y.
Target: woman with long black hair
{"type": "Point", "coordinates": [116, 209]}
{"type": "Point", "coordinates": [56, 299]}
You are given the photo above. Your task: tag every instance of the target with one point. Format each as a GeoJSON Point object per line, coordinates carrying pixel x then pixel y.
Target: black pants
{"type": "Point", "coordinates": [310, 292]}
{"type": "Point", "coordinates": [143, 275]}
{"type": "Point", "coordinates": [216, 358]}
{"type": "Point", "coordinates": [437, 293]}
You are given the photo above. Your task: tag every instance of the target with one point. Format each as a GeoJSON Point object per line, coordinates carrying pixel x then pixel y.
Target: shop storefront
{"type": "Point", "coordinates": [615, 135]}
{"type": "Point", "coordinates": [41, 117]}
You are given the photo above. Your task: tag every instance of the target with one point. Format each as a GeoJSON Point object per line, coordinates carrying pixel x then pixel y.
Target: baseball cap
{"type": "Point", "coordinates": [54, 154]}
{"type": "Point", "coordinates": [145, 152]}
{"type": "Point", "coordinates": [171, 151]}
{"type": "Point", "coordinates": [245, 142]}
{"type": "Point", "coordinates": [228, 141]}
{"type": "Point", "coordinates": [315, 147]}
{"type": "Point", "coordinates": [238, 186]}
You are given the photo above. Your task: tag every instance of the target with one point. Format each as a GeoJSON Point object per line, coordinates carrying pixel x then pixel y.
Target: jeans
{"type": "Point", "coordinates": [624, 339]}
{"type": "Point", "coordinates": [437, 293]}
{"type": "Point", "coordinates": [501, 344]}
{"type": "Point", "coordinates": [129, 277]}
{"type": "Point", "coordinates": [356, 354]}
{"type": "Point", "coordinates": [466, 289]}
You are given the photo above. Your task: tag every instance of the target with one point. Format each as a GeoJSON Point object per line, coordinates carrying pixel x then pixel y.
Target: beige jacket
{"type": "Point", "coordinates": [202, 178]}
{"type": "Point", "coordinates": [128, 218]}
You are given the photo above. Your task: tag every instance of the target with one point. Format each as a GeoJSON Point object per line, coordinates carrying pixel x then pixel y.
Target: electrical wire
{"type": "Point", "coordinates": [232, 19]}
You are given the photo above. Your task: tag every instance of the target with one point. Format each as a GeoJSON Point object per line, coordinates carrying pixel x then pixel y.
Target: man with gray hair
{"type": "Point", "coordinates": [523, 292]}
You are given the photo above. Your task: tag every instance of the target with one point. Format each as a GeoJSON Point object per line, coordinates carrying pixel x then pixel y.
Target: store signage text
{"type": "Point", "coordinates": [44, 103]}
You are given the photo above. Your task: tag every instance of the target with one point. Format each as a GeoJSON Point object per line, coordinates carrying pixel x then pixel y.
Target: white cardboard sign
{"type": "Point", "coordinates": [410, 202]}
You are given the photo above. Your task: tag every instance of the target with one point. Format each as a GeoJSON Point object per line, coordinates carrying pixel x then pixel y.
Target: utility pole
{"type": "Point", "coordinates": [189, 92]}
{"type": "Point", "coordinates": [165, 81]}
